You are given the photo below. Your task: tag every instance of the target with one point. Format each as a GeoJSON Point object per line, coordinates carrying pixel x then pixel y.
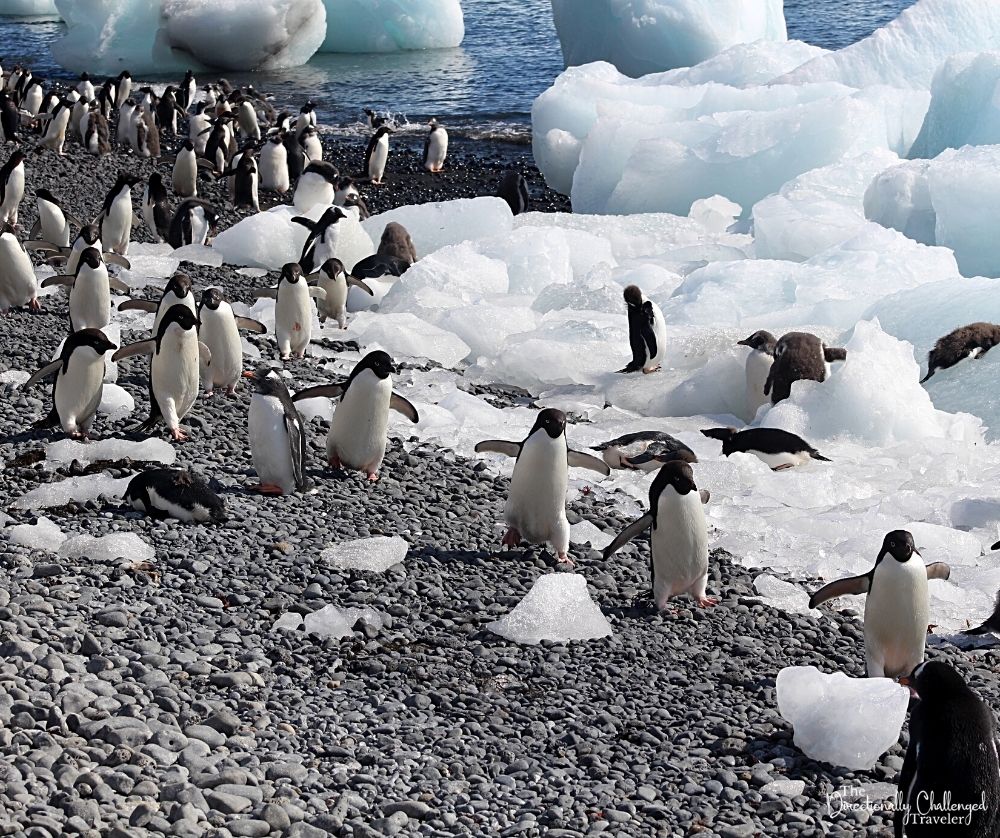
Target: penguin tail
{"type": "Point", "coordinates": [721, 434]}
{"type": "Point", "coordinates": [926, 377]}
{"type": "Point", "coordinates": [817, 456]}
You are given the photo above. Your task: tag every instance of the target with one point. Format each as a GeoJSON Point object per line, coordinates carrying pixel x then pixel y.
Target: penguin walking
{"type": "Point", "coordinates": [277, 436]}
{"type": "Point", "coordinates": [798, 356]}
{"type": "Point", "coordinates": [177, 356]}
{"type": "Point", "coordinates": [679, 536]}
{"type": "Point", "coordinates": [123, 130]}
{"type": "Point", "coordinates": [514, 190]}
{"type": "Point", "coordinates": [377, 154]}
{"type": "Point", "coordinates": [951, 767]}
{"type": "Point", "coordinates": [54, 136]}
{"type": "Point", "coordinates": [647, 332]}
{"type": "Point", "coordinates": [185, 172]}
{"type": "Point", "coordinates": [220, 332]}
{"type": "Point", "coordinates": [79, 382]}
{"type": "Point", "coordinates": [167, 110]}
{"type": "Point", "coordinates": [175, 493]}
{"type": "Point", "coordinates": [10, 119]}
{"type": "Point", "coordinates": [358, 431]}
{"type": "Point", "coordinates": [321, 243]}
{"type": "Point", "coordinates": [311, 145]}
{"type": "Point", "coordinates": [316, 185]}
{"type": "Point", "coordinates": [117, 213]}
{"type": "Point", "coordinates": [435, 148]}
{"type": "Point", "coordinates": [757, 369]}
{"type": "Point", "coordinates": [90, 291]}
{"type": "Point", "coordinates": [179, 290]}
{"type": "Point", "coordinates": [777, 449]}
{"type": "Point", "coordinates": [336, 283]}
{"type": "Point", "coordinates": [18, 286]}
{"type": "Point", "coordinates": [246, 119]}
{"type": "Point", "coordinates": [536, 502]}
{"type": "Point", "coordinates": [195, 222]}
{"type": "Point", "coordinates": [123, 88]}
{"type": "Point", "coordinates": [644, 451]}
{"type": "Point", "coordinates": [156, 208]}
{"type": "Point", "coordinates": [199, 127]}
{"type": "Point", "coordinates": [187, 91]}
{"type": "Point", "coordinates": [273, 165]}
{"type": "Point", "coordinates": [972, 341]}
{"type": "Point", "coordinates": [33, 94]}
{"type": "Point", "coordinates": [896, 610]}
{"type": "Point", "coordinates": [11, 188]}
{"type": "Point", "coordinates": [292, 310]}
{"type": "Point", "coordinates": [52, 225]}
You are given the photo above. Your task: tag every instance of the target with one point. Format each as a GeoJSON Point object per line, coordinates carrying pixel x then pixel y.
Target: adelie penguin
{"type": "Point", "coordinates": [11, 188]}
{"type": "Point", "coordinates": [777, 449]}
{"type": "Point", "coordinates": [156, 208]}
{"type": "Point", "coordinates": [195, 222]}
{"type": "Point", "coordinates": [277, 436]}
{"type": "Point", "coordinates": [435, 148]}
{"type": "Point", "coordinates": [896, 609]}
{"type": "Point", "coordinates": [536, 502]}
{"type": "Point", "coordinates": [18, 286]}
{"type": "Point", "coordinates": [678, 541]}
{"type": "Point", "coordinates": [179, 290]}
{"type": "Point", "coordinates": [647, 332]}
{"type": "Point", "coordinates": [359, 429]}
{"type": "Point", "coordinates": [514, 190]}
{"type": "Point", "coordinates": [324, 235]}
{"type": "Point", "coordinates": [53, 224]}
{"type": "Point", "coordinates": [185, 172]}
{"type": "Point", "coordinates": [644, 451]}
{"type": "Point", "coordinates": [798, 356]}
{"type": "Point", "coordinates": [273, 165]}
{"type": "Point", "coordinates": [394, 256]}
{"type": "Point", "coordinates": [317, 185]}
{"type": "Point", "coordinates": [377, 155]}
{"type": "Point", "coordinates": [757, 368]}
{"type": "Point", "coordinates": [292, 310]}
{"type": "Point", "coordinates": [89, 291]}
{"type": "Point", "coordinates": [117, 213]}
{"type": "Point", "coordinates": [79, 382]}
{"type": "Point", "coordinates": [335, 281]}
{"type": "Point", "coordinates": [220, 332]}
{"type": "Point", "coordinates": [175, 493]}
{"type": "Point", "coordinates": [972, 341]}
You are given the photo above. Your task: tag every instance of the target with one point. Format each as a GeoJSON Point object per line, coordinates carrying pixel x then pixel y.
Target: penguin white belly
{"type": "Point", "coordinates": [335, 304]}
{"type": "Point", "coordinates": [18, 285]}
{"type": "Point", "coordinates": [269, 447]}
{"type": "Point", "coordinates": [222, 337]}
{"type": "Point", "coordinates": [199, 226]}
{"type": "Point", "coordinates": [293, 318]}
{"type": "Point", "coordinates": [896, 617]}
{"type": "Point", "coordinates": [380, 156]}
{"type": "Point", "coordinates": [757, 368]}
{"type": "Point", "coordinates": [660, 331]}
{"type": "Point", "coordinates": [358, 430]}
{"type": "Point", "coordinates": [312, 189]}
{"type": "Point", "coordinates": [437, 151]}
{"type": "Point", "coordinates": [33, 101]}
{"type": "Point", "coordinates": [78, 392]}
{"type": "Point", "coordinates": [175, 376]}
{"type": "Point", "coordinates": [52, 224]}
{"type": "Point", "coordinates": [680, 546]}
{"type": "Point", "coordinates": [314, 149]}
{"type": "Point", "coordinates": [784, 459]}
{"type": "Point", "coordinates": [124, 126]}
{"type": "Point", "coordinates": [12, 196]}
{"type": "Point", "coordinates": [274, 168]}
{"type": "Point", "coordinates": [90, 300]}
{"type": "Point", "coordinates": [185, 175]}
{"type": "Point", "coordinates": [117, 227]}
{"type": "Point", "coordinates": [536, 503]}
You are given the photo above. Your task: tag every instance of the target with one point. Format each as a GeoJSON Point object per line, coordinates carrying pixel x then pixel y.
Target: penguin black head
{"type": "Point", "coordinates": [898, 544]}
{"type": "Point", "coordinates": [355, 200]}
{"type": "Point", "coordinates": [211, 298]}
{"type": "Point", "coordinates": [268, 380]}
{"type": "Point", "coordinates": [16, 159]}
{"type": "Point", "coordinates": [325, 170]}
{"type": "Point", "coordinates": [382, 131]}
{"type": "Point", "coordinates": [724, 435]}
{"type": "Point", "coordinates": [157, 191]}
{"type": "Point", "coordinates": [378, 362]}
{"type": "Point", "coordinates": [633, 295]}
{"type": "Point", "coordinates": [91, 257]}
{"type": "Point", "coordinates": [330, 216]}
{"type": "Point", "coordinates": [761, 341]}
{"type": "Point", "coordinates": [90, 234]}
{"type": "Point", "coordinates": [180, 284]}
{"type": "Point", "coordinates": [936, 680]}
{"type": "Point", "coordinates": [126, 178]}
{"type": "Point", "coordinates": [308, 107]}
{"type": "Point", "coordinates": [44, 195]}
{"type": "Point", "coordinates": [187, 145]}
{"type": "Point", "coordinates": [291, 272]}
{"type": "Point", "coordinates": [675, 473]}
{"type": "Point", "coordinates": [333, 268]}
{"type": "Point", "coordinates": [93, 338]}
{"type": "Point", "coordinates": [124, 74]}
{"type": "Point", "coordinates": [84, 76]}
{"type": "Point", "coordinates": [552, 421]}
{"type": "Point", "coordinates": [181, 315]}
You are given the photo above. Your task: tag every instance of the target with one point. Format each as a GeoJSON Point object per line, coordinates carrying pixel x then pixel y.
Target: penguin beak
{"type": "Point", "coordinates": [904, 681]}
{"type": "Point", "coordinates": [743, 343]}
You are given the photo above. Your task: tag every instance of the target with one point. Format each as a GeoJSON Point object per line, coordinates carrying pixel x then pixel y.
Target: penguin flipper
{"type": "Point", "coordinates": [117, 259]}
{"type": "Point", "coordinates": [308, 223]}
{"type": "Point", "coordinates": [141, 347]}
{"type": "Point", "coordinates": [72, 219]}
{"type": "Point", "coordinates": [117, 285]}
{"type": "Point", "coordinates": [578, 459]}
{"type": "Point", "coordinates": [938, 570]}
{"type": "Point", "coordinates": [322, 391]}
{"type": "Point", "coordinates": [44, 372]}
{"type": "Point", "coordinates": [817, 456]}
{"type": "Point", "coordinates": [841, 587]}
{"type": "Point", "coordinates": [59, 279]}
{"type": "Point", "coordinates": [261, 293]}
{"type": "Point", "coordinates": [205, 354]}
{"type": "Point", "coordinates": [401, 405]}
{"type": "Point", "coordinates": [41, 245]}
{"type": "Point", "coordinates": [627, 534]}
{"type": "Point", "coordinates": [317, 293]}
{"type": "Point", "coordinates": [147, 306]}
{"type": "Point", "coordinates": [357, 283]}
{"type": "Point", "coordinates": [499, 446]}
{"type": "Point", "coordinates": [36, 228]}
{"type": "Point", "coordinates": [251, 325]}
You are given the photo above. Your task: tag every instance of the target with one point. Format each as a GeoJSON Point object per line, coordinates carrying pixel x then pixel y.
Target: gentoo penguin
{"type": "Point", "coordinates": [678, 543]}
{"type": "Point", "coordinates": [896, 608]}
{"type": "Point", "coordinates": [292, 310]}
{"type": "Point", "coordinates": [357, 436]}
{"type": "Point", "coordinates": [96, 134]}
{"type": "Point", "coordinates": [394, 256]}
{"type": "Point", "coordinates": [798, 356]}
{"type": "Point", "coordinates": [972, 341]}
{"type": "Point", "coordinates": [18, 285]}
{"type": "Point", "coordinates": [536, 502]}
{"type": "Point", "coordinates": [52, 224]}
{"type": "Point", "coordinates": [377, 154]}
{"type": "Point", "coordinates": [644, 450]}
{"type": "Point", "coordinates": [194, 222]}
{"type": "Point", "coordinates": [777, 449]}
{"type": "Point", "coordinates": [951, 768]}
{"type": "Point", "coordinates": [54, 136]}
{"type": "Point", "coordinates": [90, 291]}
{"type": "Point", "coordinates": [11, 188]}
{"type": "Point", "coordinates": [220, 332]}
{"type": "Point", "coordinates": [316, 185]}
{"type": "Point", "coordinates": [175, 493]}
{"type": "Point", "coordinates": [757, 368]}
{"type": "Point", "coordinates": [277, 436]}
{"type": "Point", "coordinates": [116, 214]}
{"type": "Point", "coordinates": [187, 91]}
{"type": "Point", "coordinates": [123, 88]}
{"type": "Point", "coordinates": [273, 165]}
{"type": "Point", "coordinates": [79, 381]}
{"type": "Point", "coordinates": [173, 369]}
{"type": "Point", "coordinates": [185, 172]}
{"type": "Point", "coordinates": [321, 243]}
{"type": "Point", "coordinates": [311, 145]}
{"type": "Point", "coordinates": [647, 332]}
{"type": "Point", "coordinates": [179, 290]}
{"type": "Point", "coordinates": [335, 281]}
{"type": "Point", "coordinates": [435, 148]}
{"type": "Point", "coordinates": [514, 190]}
{"type": "Point", "coordinates": [156, 208]}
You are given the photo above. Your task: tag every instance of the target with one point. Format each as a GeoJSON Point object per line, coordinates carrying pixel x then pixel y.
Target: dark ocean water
{"type": "Point", "coordinates": [485, 87]}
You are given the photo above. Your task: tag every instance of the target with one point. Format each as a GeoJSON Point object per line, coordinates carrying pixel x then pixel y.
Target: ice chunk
{"type": "Point", "coordinates": [786, 788]}
{"type": "Point", "coordinates": [199, 254]}
{"type": "Point", "coordinates": [649, 36]}
{"type": "Point", "coordinates": [558, 607]}
{"type": "Point", "coordinates": [849, 722]}
{"type": "Point", "coordinates": [391, 25]}
{"type": "Point", "coordinates": [43, 535]}
{"type": "Point", "coordinates": [28, 8]}
{"type": "Point", "coordinates": [405, 335]}
{"type": "Point", "coordinates": [148, 450]}
{"type": "Point", "coordinates": [116, 402]}
{"type": "Point", "coordinates": [585, 532]}
{"type": "Point", "coordinates": [745, 65]}
{"type": "Point", "coordinates": [780, 594]}
{"type": "Point", "coordinates": [376, 554]}
{"type": "Point", "coordinates": [331, 621]}
{"type": "Point", "coordinates": [107, 548]}
{"type": "Point", "coordinates": [15, 378]}
{"type": "Point", "coordinates": [79, 489]}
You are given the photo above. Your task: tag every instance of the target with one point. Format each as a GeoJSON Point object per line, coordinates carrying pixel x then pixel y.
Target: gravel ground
{"type": "Point", "coordinates": [162, 701]}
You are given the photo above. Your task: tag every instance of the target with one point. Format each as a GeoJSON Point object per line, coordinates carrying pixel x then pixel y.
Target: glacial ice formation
{"type": "Point", "coordinates": [392, 25]}
{"type": "Point", "coordinates": [558, 607]}
{"type": "Point", "coordinates": [649, 36]}
{"type": "Point", "coordinates": [28, 8]}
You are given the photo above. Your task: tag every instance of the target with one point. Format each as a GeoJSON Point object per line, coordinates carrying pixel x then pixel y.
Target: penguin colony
{"type": "Point", "coordinates": [195, 349]}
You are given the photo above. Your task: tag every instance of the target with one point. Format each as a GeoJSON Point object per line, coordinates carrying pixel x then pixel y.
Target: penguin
{"type": "Point", "coordinates": [85, 87]}
{"type": "Point", "coordinates": [377, 154]}
{"type": "Point", "coordinates": [97, 134]}
{"type": "Point", "coordinates": [335, 281]}
{"type": "Point", "coordinates": [194, 222]}
{"type": "Point", "coordinates": [10, 119]}
{"type": "Point", "coordinates": [179, 290]}
{"type": "Point", "coordinates": [395, 254]}
{"type": "Point", "coordinates": [11, 188]}
{"type": "Point", "coordinates": [896, 608]}
{"type": "Point", "coordinates": [220, 332]}
{"type": "Point", "coordinates": [246, 117]}
{"type": "Point", "coordinates": [951, 768]}
{"type": "Point", "coordinates": [106, 98]}
{"type": "Point", "coordinates": [123, 87]}
{"type": "Point", "coordinates": [316, 185]}
{"type": "Point", "coordinates": [647, 332]}
{"type": "Point", "coordinates": [311, 145]}
{"type": "Point", "coordinates": [173, 369]}
{"type": "Point", "coordinates": [324, 235]}
{"type": "Point", "coordinates": [292, 310]}
{"type": "Point", "coordinates": [79, 118]}
{"type": "Point", "coordinates": [307, 117]}
{"type": "Point", "coordinates": [187, 91]}
{"type": "Point", "coordinates": [31, 100]}
{"type": "Point", "coordinates": [245, 182]}
{"type": "Point", "coordinates": [798, 356]}
{"type": "Point", "coordinates": [295, 157]}
{"type": "Point", "coordinates": [167, 109]}
{"type": "Point", "coordinates": [277, 436]}
{"type": "Point", "coordinates": [156, 208]}
{"type": "Point", "coordinates": [18, 285]}
{"type": "Point", "coordinates": [678, 543]}
{"type": "Point", "coordinates": [211, 96]}
{"type": "Point", "coordinates": [644, 451]}
{"type": "Point", "coordinates": [992, 624]}
{"type": "Point", "coordinates": [116, 214]}
{"type": "Point", "coordinates": [972, 341]}
{"type": "Point", "coordinates": [54, 136]}
{"type": "Point", "coordinates": [435, 148]}
{"type": "Point", "coordinates": [185, 172]}
{"type": "Point", "coordinates": [514, 190]}
{"type": "Point", "coordinates": [90, 291]}
{"type": "Point", "coordinates": [175, 493]}
{"type": "Point", "coordinates": [345, 188]}
{"type": "Point", "coordinates": [147, 135]}
{"type": "Point", "coordinates": [123, 132]}
{"type": "Point", "coordinates": [199, 127]}
{"type": "Point", "coordinates": [89, 236]}
{"type": "Point", "coordinates": [373, 119]}
{"type": "Point", "coordinates": [52, 224]}
{"type": "Point", "coordinates": [273, 165]}
{"type": "Point", "coordinates": [536, 502]}
{"type": "Point", "coordinates": [777, 449]}
{"type": "Point", "coordinates": [757, 368]}
{"type": "Point", "coordinates": [79, 382]}
{"type": "Point", "coordinates": [217, 147]}
{"type": "Point", "coordinates": [357, 204]}
{"type": "Point", "coordinates": [358, 431]}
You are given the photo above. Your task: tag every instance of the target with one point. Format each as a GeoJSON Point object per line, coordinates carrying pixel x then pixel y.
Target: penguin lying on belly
{"type": "Point", "coordinates": [972, 341]}
{"type": "Point", "coordinates": [777, 449]}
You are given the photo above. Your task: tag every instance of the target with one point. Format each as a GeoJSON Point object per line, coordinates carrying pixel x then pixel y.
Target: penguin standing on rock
{"type": "Point", "coordinates": [536, 502]}
{"type": "Point", "coordinates": [377, 154]}
{"type": "Point", "coordinates": [435, 148]}
{"type": "Point", "coordinates": [18, 285]}
{"type": "Point", "coordinates": [185, 172]}
{"type": "Point", "coordinates": [647, 332]}
{"type": "Point", "coordinates": [277, 436]}
{"type": "Point", "coordinates": [798, 356]}
{"type": "Point", "coordinates": [777, 449]}
{"type": "Point", "coordinates": [220, 332]}
{"type": "Point", "coordinates": [11, 188]}
{"type": "Point", "coordinates": [117, 213]}
{"type": "Point", "coordinates": [334, 280]}
{"type": "Point", "coordinates": [175, 493]}
{"type": "Point", "coordinates": [52, 224]}
{"type": "Point", "coordinates": [292, 310]}
{"type": "Point", "coordinates": [758, 366]}
{"type": "Point", "coordinates": [972, 341]}
{"type": "Point", "coordinates": [896, 610]}
{"type": "Point", "coordinates": [179, 290]}
{"type": "Point", "coordinates": [273, 165]}
{"type": "Point", "coordinates": [156, 208]}
{"type": "Point", "coordinates": [90, 291]}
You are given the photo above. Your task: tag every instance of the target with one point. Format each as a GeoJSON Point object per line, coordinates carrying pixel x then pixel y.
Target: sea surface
{"type": "Point", "coordinates": [482, 89]}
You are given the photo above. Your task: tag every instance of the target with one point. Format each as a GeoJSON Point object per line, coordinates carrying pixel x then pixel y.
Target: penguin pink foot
{"type": "Point", "coordinates": [563, 558]}
{"type": "Point", "coordinates": [35, 305]}
{"type": "Point", "coordinates": [706, 601]}
{"type": "Point", "coordinates": [512, 538]}
{"type": "Point", "coordinates": [334, 461]}
{"type": "Point", "coordinates": [651, 370]}
{"type": "Point", "coordinates": [231, 393]}
{"type": "Point", "coordinates": [268, 489]}
{"type": "Point", "coordinates": [178, 435]}
{"type": "Point", "coordinates": [372, 477]}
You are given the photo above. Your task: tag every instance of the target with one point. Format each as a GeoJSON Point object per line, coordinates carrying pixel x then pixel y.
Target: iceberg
{"type": "Point", "coordinates": [392, 25]}
{"type": "Point", "coordinates": [649, 36]}
{"type": "Point", "coordinates": [558, 607]}
{"type": "Point", "coordinates": [28, 8]}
